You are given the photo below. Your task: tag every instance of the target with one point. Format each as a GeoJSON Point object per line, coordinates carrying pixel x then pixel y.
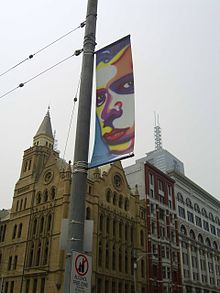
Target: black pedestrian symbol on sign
{"type": "Point", "coordinates": [81, 265]}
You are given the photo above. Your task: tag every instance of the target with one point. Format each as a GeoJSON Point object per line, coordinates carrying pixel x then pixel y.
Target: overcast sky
{"type": "Point", "coordinates": [176, 56]}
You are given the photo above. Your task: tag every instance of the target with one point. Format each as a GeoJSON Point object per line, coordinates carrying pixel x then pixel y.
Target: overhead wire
{"type": "Point", "coordinates": [71, 118]}
{"type": "Point", "coordinates": [22, 84]}
{"type": "Point", "coordinates": [82, 24]}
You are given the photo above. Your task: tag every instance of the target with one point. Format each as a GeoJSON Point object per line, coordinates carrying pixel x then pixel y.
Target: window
{"type": "Point", "coordinates": [42, 287]}
{"type": "Point", "coordinates": [35, 286]}
{"type": "Point", "coordinates": [14, 232]}
{"type": "Point", "coordinates": [38, 199]}
{"type": "Point", "coordinates": [15, 262]}
{"type": "Point", "coordinates": [205, 225]}
{"type": "Point", "coordinates": [46, 252]}
{"type": "Point", "coordinates": [9, 263]}
{"type": "Point", "coordinates": [12, 287]}
{"type": "Point", "coordinates": [120, 203]}
{"type": "Point", "coordinates": [45, 195]}
{"type": "Point", "coordinates": [114, 199]}
{"type": "Point", "coordinates": [192, 235]}
{"type": "Point", "coordinates": [212, 228]}
{"type": "Point", "coordinates": [113, 257]}
{"type": "Point", "coordinates": [126, 204]}
{"type": "Point", "coordinates": [49, 220]}
{"type": "Point", "coordinates": [183, 230]}
{"type": "Point", "coordinates": [107, 256]}
{"type": "Point", "coordinates": [108, 195]}
{"type": "Point", "coordinates": [204, 213]}
{"type": "Point", "coordinates": [197, 208]}
{"type": "Point", "coordinates": [53, 193]}
{"type": "Point", "coordinates": [88, 213]}
{"type": "Point", "coordinates": [100, 254]}
{"type": "Point", "coordinates": [198, 221]}
{"type": "Point", "coordinates": [182, 213]}
{"type": "Point", "coordinates": [27, 286]}
{"type": "Point", "coordinates": [190, 217]}
{"type": "Point", "coordinates": [180, 197]}
{"type": "Point", "coordinates": [211, 217]}
{"type": "Point", "coordinates": [189, 203]}
{"type": "Point", "coordinates": [19, 230]}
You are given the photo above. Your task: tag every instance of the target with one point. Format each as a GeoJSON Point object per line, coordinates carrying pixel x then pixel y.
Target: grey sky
{"type": "Point", "coordinates": [176, 46]}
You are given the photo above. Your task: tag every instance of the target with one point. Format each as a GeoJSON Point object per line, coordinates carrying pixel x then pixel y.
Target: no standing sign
{"type": "Point", "coordinates": [81, 273]}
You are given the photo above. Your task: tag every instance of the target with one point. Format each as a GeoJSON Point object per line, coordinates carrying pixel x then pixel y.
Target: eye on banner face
{"type": "Point", "coordinates": [115, 132]}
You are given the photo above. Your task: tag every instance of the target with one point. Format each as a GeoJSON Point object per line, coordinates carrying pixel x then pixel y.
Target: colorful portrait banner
{"type": "Point", "coordinates": [115, 133]}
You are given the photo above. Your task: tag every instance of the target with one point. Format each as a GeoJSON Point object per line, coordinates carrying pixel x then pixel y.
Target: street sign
{"type": "Point", "coordinates": [81, 273]}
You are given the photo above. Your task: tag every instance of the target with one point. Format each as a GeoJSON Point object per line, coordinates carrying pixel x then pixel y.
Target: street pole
{"type": "Point", "coordinates": [79, 177]}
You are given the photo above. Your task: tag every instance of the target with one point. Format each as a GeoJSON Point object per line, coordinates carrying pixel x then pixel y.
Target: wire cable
{"type": "Point", "coordinates": [43, 48]}
{"type": "Point", "coordinates": [76, 53]}
{"type": "Point", "coordinates": [71, 118]}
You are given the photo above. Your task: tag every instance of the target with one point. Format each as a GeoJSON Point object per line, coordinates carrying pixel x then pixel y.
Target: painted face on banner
{"type": "Point", "coordinates": [115, 101]}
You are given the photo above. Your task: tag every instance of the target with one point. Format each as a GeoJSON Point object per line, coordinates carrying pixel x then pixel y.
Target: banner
{"type": "Point", "coordinates": [114, 137]}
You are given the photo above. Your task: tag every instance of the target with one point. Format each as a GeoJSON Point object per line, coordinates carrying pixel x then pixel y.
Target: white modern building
{"type": "Point", "coordinates": [199, 222]}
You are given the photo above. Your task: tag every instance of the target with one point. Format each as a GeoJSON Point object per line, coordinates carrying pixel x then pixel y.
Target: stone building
{"type": "Point", "coordinates": [30, 256]}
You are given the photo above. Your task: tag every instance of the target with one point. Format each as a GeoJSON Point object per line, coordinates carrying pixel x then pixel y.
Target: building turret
{"type": "Point", "coordinates": [44, 135]}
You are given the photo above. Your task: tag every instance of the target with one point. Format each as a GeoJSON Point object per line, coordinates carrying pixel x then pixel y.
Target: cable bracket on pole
{"type": "Point", "coordinates": [80, 167]}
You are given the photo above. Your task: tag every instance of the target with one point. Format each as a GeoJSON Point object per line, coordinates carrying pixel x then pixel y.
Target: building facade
{"type": "Point", "coordinates": [198, 220]}
{"type": "Point", "coordinates": [162, 242]}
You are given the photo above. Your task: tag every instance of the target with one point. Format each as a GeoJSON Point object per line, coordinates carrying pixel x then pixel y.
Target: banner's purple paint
{"type": "Point", "coordinates": [115, 132]}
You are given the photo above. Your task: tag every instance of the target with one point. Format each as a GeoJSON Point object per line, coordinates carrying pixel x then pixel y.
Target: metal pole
{"type": "Point", "coordinates": [79, 178]}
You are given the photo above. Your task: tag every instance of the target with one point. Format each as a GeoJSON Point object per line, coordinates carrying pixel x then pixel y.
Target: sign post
{"type": "Point", "coordinates": [81, 273]}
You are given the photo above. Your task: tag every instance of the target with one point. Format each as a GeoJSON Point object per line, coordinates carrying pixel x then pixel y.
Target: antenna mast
{"type": "Point", "coordinates": [157, 133]}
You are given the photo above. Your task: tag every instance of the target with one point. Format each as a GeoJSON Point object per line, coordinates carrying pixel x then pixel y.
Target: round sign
{"type": "Point", "coordinates": [81, 264]}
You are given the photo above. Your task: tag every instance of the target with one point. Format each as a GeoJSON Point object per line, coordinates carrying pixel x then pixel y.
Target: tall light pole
{"type": "Point", "coordinates": [79, 177]}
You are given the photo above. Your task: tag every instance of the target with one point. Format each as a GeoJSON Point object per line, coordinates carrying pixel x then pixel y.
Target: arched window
{"type": "Point", "coordinates": [25, 202]}
{"type": "Point", "coordinates": [108, 195]}
{"type": "Point", "coordinates": [46, 252]}
{"type": "Point", "coordinates": [197, 208]}
{"type": "Point", "coordinates": [38, 198]}
{"type": "Point", "coordinates": [88, 213]}
{"type": "Point", "coordinates": [200, 238]}
{"type": "Point", "coordinates": [114, 199]}
{"type": "Point", "coordinates": [180, 197]}
{"type": "Point", "coordinates": [35, 226]}
{"type": "Point", "coordinates": [38, 254]}
{"type": "Point", "coordinates": [217, 220]}
{"type": "Point", "coordinates": [31, 255]}
{"type": "Point", "coordinates": [204, 213]}
{"type": "Point", "coordinates": [208, 242]}
{"type": "Point", "coordinates": [42, 225]}
{"type": "Point", "coordinates": [215, 245]}
{"type": "Point", "coordinates": [126, 204]}
{"type": "Point", "coordinates": [211, 217]}
{"type": "Point", "coordinates": [49, 219]}
{"type": "Point", "coordinates": [120, 203]}
{"type": "Point", "coordinates": [183, 230]}
{"type": "Point", "coordinates": [192, 235]}
{"type": "Point", "coordinates": [189, 203]}
{"type": "Point", "coordinates": [14, 231]}
{"type": "Point", "coordinates": [19, 230]}
{"type": "Point", "coordinates": [53, 192]}
{"type": "Point", "coordinates": [46, 195]}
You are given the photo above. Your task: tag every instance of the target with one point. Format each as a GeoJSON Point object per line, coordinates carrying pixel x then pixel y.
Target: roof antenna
{"type": "Point", "coordinates": [157, 133]}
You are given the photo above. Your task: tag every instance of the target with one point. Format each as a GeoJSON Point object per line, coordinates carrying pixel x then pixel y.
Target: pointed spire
{"type": "Point", "coordinates": [44, 135]}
